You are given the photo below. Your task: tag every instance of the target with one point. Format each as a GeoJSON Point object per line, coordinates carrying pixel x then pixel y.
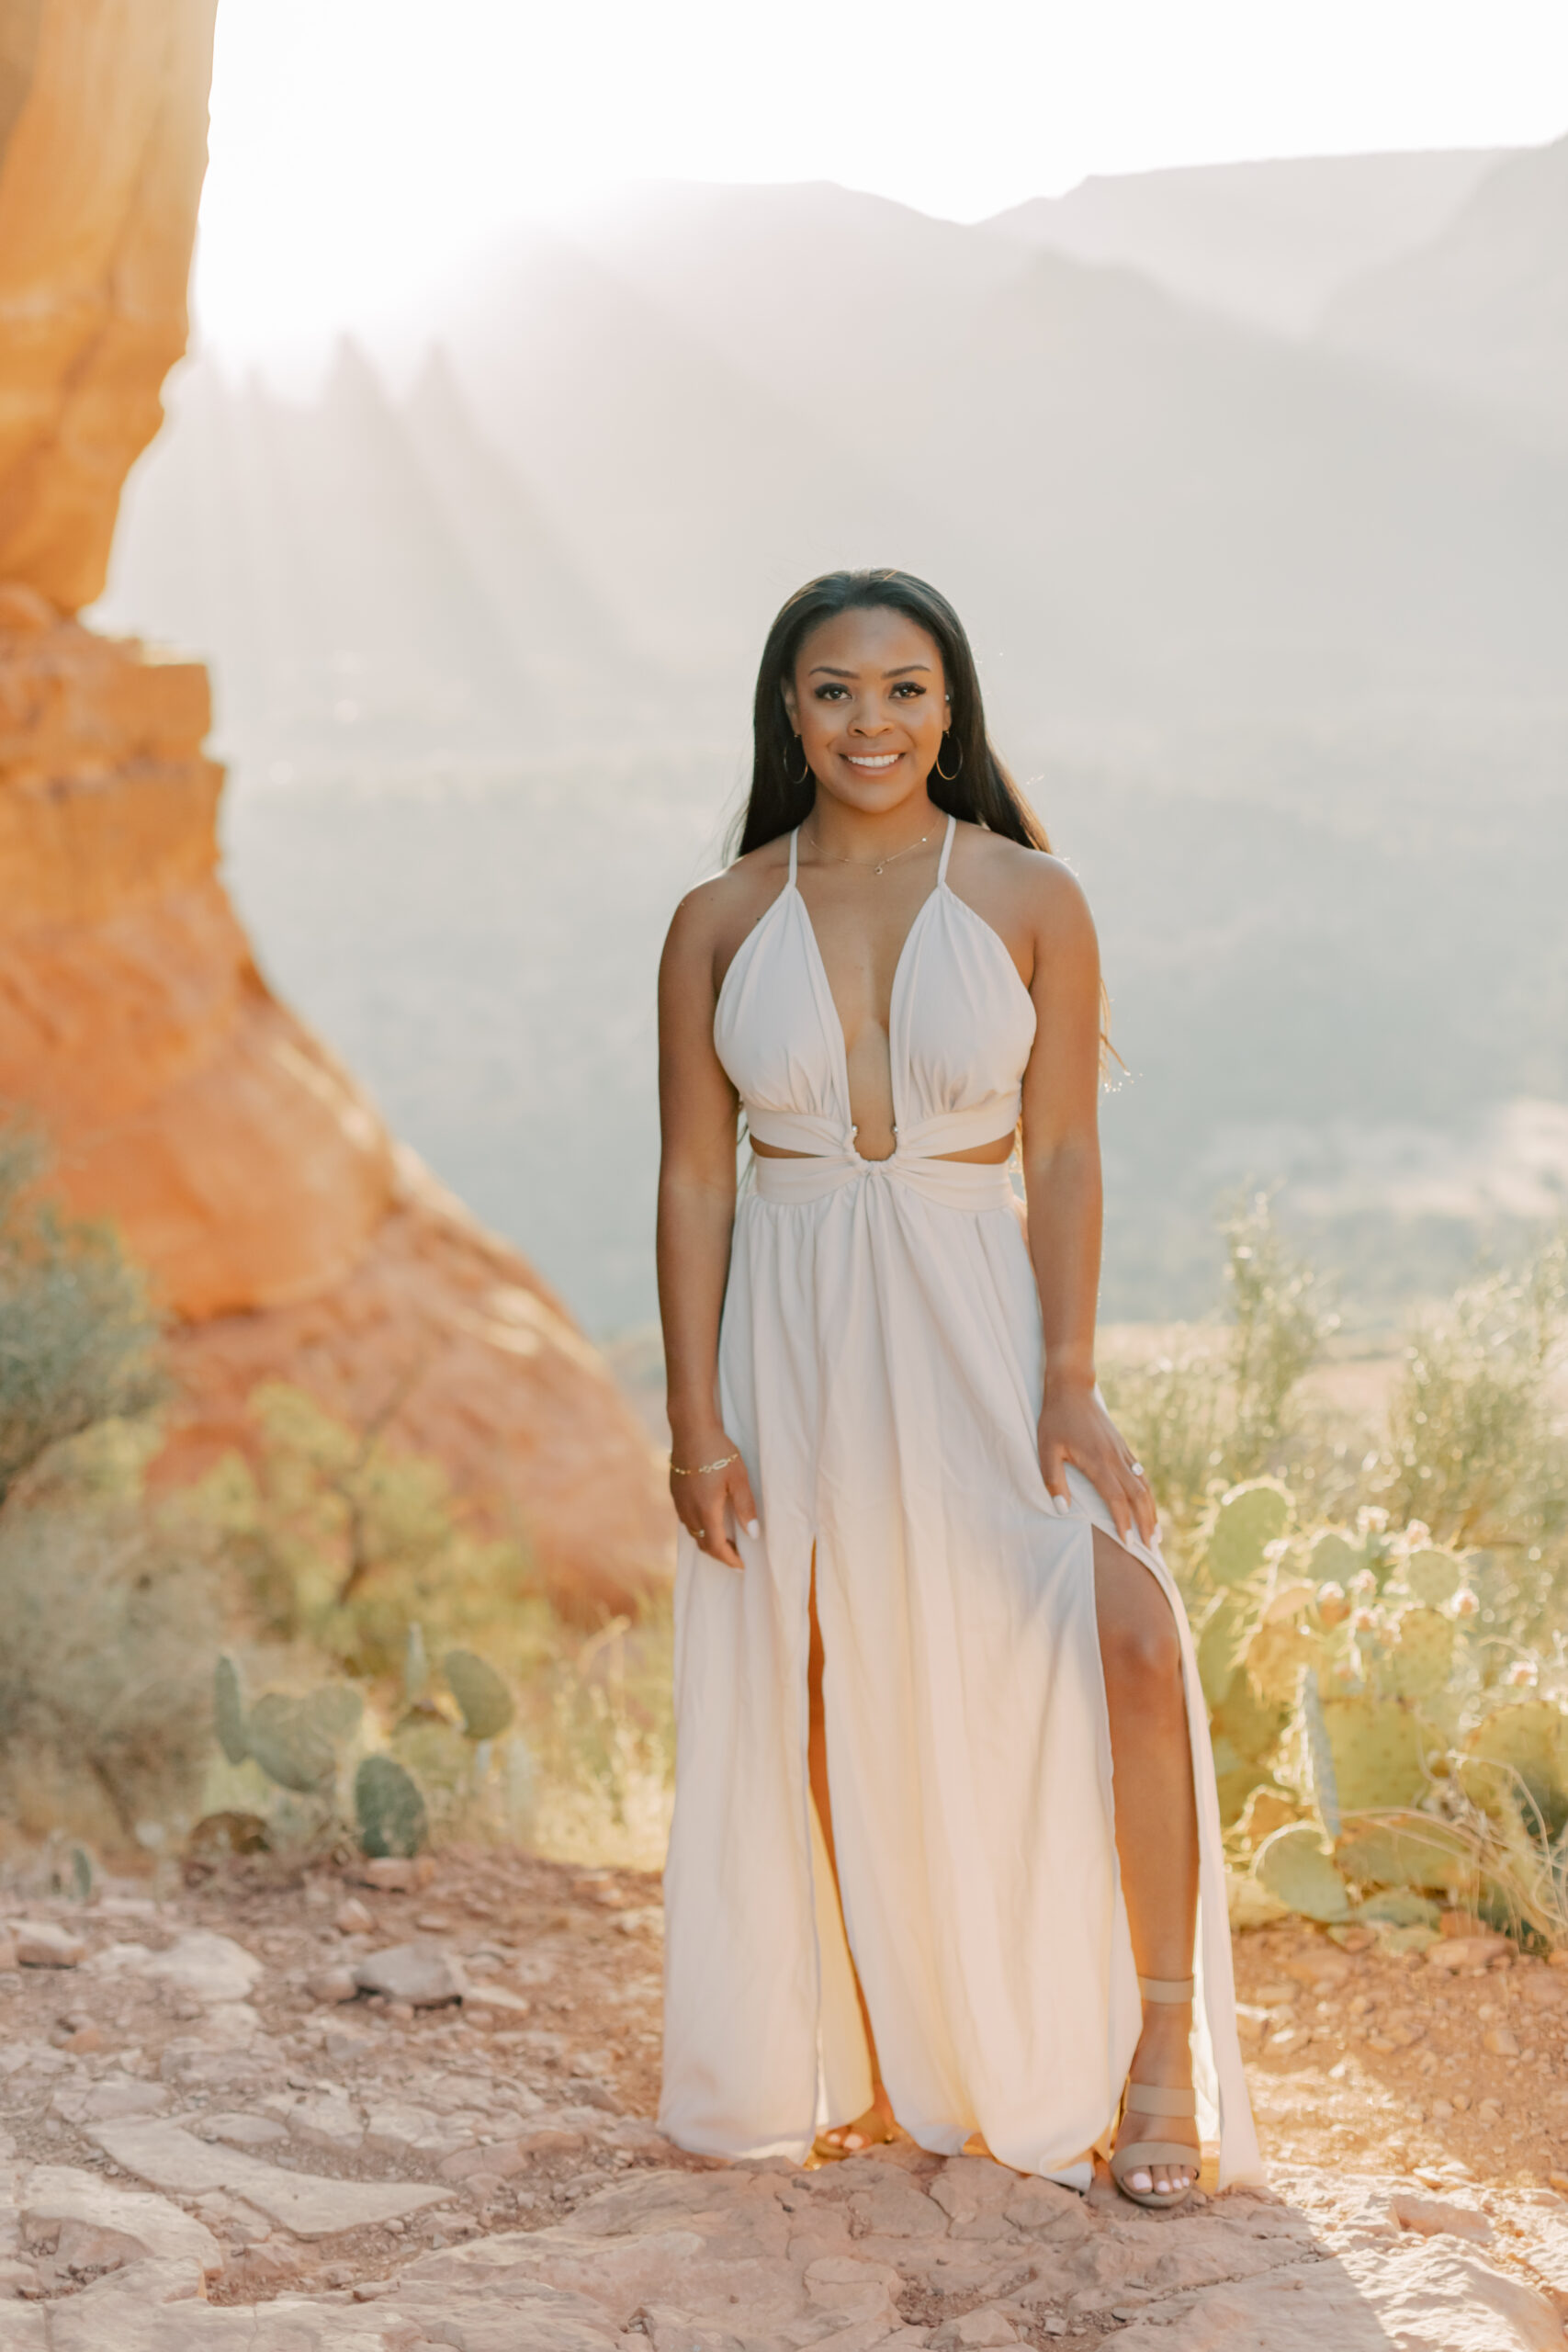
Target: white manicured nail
{"type": "Point", "coordinates": [753, 1527]}
{"type": "Point", "coordinates": [1063, 1506]}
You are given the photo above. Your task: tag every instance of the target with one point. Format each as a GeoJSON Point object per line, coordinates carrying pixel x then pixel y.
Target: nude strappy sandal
{"type": "Point", "coordinates": [1149, 2098]}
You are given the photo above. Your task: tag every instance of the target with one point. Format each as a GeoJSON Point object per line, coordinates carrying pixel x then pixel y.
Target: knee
{"type": "Point", "coordinates": [1142, 1658]}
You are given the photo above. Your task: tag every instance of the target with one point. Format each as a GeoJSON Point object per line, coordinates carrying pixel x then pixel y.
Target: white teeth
{"type": "Point", "coordinates": [883, 760]}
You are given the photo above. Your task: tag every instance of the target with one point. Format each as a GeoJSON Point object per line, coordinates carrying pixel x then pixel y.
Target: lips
{"type": "Point", "coordinates": [873, 763]}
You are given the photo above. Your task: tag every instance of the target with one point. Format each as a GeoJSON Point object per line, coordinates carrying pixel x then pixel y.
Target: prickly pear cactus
{"type": "Point", "coordinates": [483, 1700]}
{"type": "Point", "coordinates": [1401, 1907]}
{"type": "Point", "coordinates": [388, 1808]}
{"type": "Point", "coordinates": [291, 1747]}
{"type": "Point", "coordinates": [1253, 1725]}
{"type": "Point", "coordinates": [1334, 1558]}
{"type": "Point", "coordinates": [1275, 1657]}
{"type": "Point", "coordinates": [1433, 1576]}
{"type": "Point", "coordinates": [1421, 1663]}
{"type": "Point", "coordinates": [1245, 1522]}
{"type": "Point", "coordinates": [1320, 1773]}
{"type": "Point", "coordinates": [1296, 1865]}
{"type": "Point", "coordinates": [1520, 1748]}
{"type": "Point", "coordinates": [1221, 1637]}
{"type": "Point", "coordinates": [1378, 1748]}
{"type": "Point", "coordinates": [1267, 1809]}
{"type": "Point", "coordinates": [1409, 1849]}
{"type": "Point", "coordinates": [437, 1751]}
{"type": "Point", "coordinates": [416, 1669]}
{"type": "Point", "coordinates": [228, 1711]}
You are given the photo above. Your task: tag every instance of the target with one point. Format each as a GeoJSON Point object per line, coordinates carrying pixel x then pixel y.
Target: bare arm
{"type": "Point", "coordinates": [697, 1214]}
{"type": "Point", "coordinates": [1061, 1172]}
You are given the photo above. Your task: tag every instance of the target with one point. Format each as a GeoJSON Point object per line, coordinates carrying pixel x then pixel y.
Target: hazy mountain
{"type": "Point", "coordinates": [1273, 630]}
{"type": "Point", "coordinates": [1140, 506]}
{"type": "Point", "coordinates": [1480, 312]}
{"type": "Point", "coordinates": [367, 577]}
{"type": "Point", "coordinates": [1269, 242]}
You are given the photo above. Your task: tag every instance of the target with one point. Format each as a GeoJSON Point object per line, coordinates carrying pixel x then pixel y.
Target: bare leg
{"type": "Point", "coordinates": [877, 2123]}
{"type": "Point", "coordinates": [1157, 1826]}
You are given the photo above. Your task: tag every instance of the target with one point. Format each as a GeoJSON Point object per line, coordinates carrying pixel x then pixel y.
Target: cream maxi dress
{"type": "Point", "coordinates": [880, 1368]}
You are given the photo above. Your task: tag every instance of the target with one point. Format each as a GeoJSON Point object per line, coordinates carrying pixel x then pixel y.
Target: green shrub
{"type": "Point", "coordinates": [78, 1341]}
{"type": "Point", "coordinates": [107, 1620]}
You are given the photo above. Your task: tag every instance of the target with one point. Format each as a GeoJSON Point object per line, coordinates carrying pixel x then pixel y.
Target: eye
{"type": "Point", "coordinates": [829, 692]}
{"type": "Point", "coordinates": [911, 687]}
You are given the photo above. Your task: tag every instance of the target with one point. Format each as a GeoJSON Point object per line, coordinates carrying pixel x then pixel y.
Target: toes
{"type": "Point", "coordinates": [1141, 2182]}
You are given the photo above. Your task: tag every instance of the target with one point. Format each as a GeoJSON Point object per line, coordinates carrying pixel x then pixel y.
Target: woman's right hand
{"type": "Point", "coordinates": [711, 1506]}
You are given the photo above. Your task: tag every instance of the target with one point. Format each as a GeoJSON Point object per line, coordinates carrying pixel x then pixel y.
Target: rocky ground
{"type": "Point", "coordinates": [397, 2109]}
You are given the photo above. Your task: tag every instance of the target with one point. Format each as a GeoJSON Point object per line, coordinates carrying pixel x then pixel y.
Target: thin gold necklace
{"type": "Point", "coordinates": [891, 859]}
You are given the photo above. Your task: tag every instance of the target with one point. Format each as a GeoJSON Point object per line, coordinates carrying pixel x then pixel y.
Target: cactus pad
{"type": "Point", "coordinates": [1275, 1657]}
{"type": "Point", "coordinates": [1526, 1742]}
{"type": "Point", "coordinates": [1244, 1521]}
{"type": "Point", "coordinates": [291, 1747]}
{"type": "Point", "coordinates": [1295, 1866]}
{"type": "Point", "coordinates": [1433, 1576]}
{"type": "Point", "coordinates": [1421, 1663]}
{"type": "Point", "coordinates": [416, 1668]}
{"type": "Point", "coordinates": [228, 1711]}
{"type": "Point", "coordinates": [1401, 1907]}
{"type": "Point", "coordinates": [1334, 1559]}
{"type": "Point", "coordinates": [485, 1702]}
{"type": "Point", "coordinates": [437, 1750]}
{"type": "Point", "coordinates": [1220, 1640]}
{"type": "Point", "coordinates": [388, 1808]}
{"type": "Point", "coordinates": [1379, 1750]}
{"type": "Point", "coordinates": [1251, 1724]}
{"type": "Point", "coordinates": [1412, 1850]}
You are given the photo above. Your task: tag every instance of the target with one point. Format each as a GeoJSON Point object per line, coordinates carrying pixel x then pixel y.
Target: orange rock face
{"type": "Point", "coordinates": [99, 181]}
{"type": "Point", "coordinates": [287, 1237]}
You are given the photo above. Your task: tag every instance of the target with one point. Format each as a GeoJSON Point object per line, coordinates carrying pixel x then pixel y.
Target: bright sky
{"type": "Point", "coordinates": [358, 145]}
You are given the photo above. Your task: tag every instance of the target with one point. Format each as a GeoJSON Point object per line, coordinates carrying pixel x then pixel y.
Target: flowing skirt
{"type": "Point", "coordinates": [881, 1369]}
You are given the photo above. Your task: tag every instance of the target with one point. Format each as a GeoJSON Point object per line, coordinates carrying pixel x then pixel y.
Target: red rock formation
{"type": "Point", "coordinates": [288, 1235]}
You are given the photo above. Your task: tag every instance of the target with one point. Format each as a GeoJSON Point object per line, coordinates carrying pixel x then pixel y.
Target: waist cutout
{"type": "Point", "coordinates": [833, 1162]}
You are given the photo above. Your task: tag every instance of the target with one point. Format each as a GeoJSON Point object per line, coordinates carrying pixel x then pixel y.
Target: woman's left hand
{"type": "Point", "coordinates": [1075, 1427]}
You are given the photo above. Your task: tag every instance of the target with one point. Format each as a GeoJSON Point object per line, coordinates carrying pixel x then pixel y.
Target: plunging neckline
{"type": "Point", "coordinates": [823, 987]}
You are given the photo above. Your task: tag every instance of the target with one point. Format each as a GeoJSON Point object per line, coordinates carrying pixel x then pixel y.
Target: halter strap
{"type": "Point", "coordinates": [793, 845]}
{"type": "Point", "coordinates": [946, 851]}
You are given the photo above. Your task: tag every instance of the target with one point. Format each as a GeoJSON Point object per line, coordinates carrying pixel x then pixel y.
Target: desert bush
{"type": "Point", "coordinates": [108, 1615]}
{"type": "Point", "coordinates": [341, 1543]}
{"type": "Point", "coordinates": [358, 1561]}
{"type": "Point", "coordinates": [78, 1342]}
{"type": "Point", "coordinates": [1477, 1442]}
{"type": "Point", "coordinates": [1210, 1415]}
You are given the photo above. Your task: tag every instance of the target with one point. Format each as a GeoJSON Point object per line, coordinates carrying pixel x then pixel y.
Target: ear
{"type": "Point", "coordinates": [786, 688]}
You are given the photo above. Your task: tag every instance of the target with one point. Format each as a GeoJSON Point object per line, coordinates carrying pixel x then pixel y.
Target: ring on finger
{"type": "Point", "coordinates": [1137, 1469]}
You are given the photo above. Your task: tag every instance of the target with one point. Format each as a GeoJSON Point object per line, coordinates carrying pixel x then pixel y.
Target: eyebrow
{"type": "Point", "coordinates": [826, 669]}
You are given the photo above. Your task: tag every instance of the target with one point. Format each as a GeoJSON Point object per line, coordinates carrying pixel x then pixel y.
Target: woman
{"type": "Point", "coordinates": [922, 1613]}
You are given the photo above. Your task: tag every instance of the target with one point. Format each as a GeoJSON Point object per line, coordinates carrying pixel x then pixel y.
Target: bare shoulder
{"type": "Point", "coordinates": [716, 915]}
{"type": "Point", "coordinates": [1027, 889]}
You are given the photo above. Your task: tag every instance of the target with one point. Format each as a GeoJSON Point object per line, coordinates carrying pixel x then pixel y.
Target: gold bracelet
{"type": "Point", "coordinates": [702, 1468]}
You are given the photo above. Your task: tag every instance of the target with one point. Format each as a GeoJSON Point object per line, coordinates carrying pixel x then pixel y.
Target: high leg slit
{"type": "Point", "coordinates": [881, 1369]}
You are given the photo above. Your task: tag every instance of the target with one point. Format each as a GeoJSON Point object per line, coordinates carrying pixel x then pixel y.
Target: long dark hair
{"type": "Point", "coordinates": [981, 789]}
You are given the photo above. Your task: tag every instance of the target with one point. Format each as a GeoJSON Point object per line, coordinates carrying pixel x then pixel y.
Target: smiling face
{"type": "Point", "coordinates": [869, 703]}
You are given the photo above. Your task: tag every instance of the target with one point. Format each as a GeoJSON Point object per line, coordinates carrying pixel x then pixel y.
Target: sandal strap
{"type": "Point", "coordinates": [1151, 2098]}
{"type": "Point", "coordinates": [1140, 2154]}
{"type": "Point", "coordinates": [1168, 1988]}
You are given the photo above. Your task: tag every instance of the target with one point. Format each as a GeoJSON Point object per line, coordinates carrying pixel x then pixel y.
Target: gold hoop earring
{"type": "Point", "coordinates": [805, 767]}
{"type": "Point", "coordinates": [957, 771]}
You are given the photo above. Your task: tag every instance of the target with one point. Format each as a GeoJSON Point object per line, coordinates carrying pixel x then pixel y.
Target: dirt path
{"type": "Point", "coordinates": [211, 2137]}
